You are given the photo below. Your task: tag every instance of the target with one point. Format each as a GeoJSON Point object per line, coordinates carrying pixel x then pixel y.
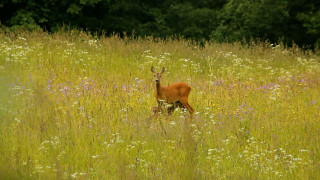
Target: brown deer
{"type": "Point", "coordinates": [172, 96]}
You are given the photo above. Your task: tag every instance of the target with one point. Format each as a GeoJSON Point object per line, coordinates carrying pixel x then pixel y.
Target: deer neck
{"type": "Point", "coordinates": [158, 90]}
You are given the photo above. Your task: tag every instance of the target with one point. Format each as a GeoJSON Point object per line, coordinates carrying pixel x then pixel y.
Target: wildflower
{"type": "Point", "coordinates": [303, 150]}
{"type": "Point", "coordinates": [74, 175]}
{"type": "Point", "coordinates": [16, 119]}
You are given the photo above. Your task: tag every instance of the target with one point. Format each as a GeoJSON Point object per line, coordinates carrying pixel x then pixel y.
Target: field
{"type": "Point", "coordinates": [74, 106]}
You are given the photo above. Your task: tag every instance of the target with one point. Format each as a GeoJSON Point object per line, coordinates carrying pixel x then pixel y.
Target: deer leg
{"type": "Point", "coordinates": [181, 106]}
{"type": "Point", "coordinates": [170, 110]}
{"type": "Point", "coordinates": [155, 112]}
{"type": "Point", "coordinates": [160, 107]}
{"type": "Point", "coordinates": [174, 106]}
{"type": "Point", "coordinates": [156, 109]}
{"type": "Point", "coordinates": [185, 103]}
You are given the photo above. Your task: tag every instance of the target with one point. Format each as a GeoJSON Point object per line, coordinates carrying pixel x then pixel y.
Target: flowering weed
{"type": "Point", "coordinates": [78, 107]}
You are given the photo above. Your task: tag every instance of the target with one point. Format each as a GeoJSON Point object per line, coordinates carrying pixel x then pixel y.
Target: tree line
{"type": "Point", "coordinates": [285, 21]}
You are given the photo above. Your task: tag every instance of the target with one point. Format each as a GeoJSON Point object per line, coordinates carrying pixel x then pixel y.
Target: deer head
{"type": "Point", "coordinates": [157, 75]}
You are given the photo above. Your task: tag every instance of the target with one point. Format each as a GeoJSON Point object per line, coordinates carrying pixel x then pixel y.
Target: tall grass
{"type": "Point", "coordinates": [74, 106]}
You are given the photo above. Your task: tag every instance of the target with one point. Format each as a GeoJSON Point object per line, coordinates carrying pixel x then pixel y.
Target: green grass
{"type": "Point", "coordinates": [74, 106]}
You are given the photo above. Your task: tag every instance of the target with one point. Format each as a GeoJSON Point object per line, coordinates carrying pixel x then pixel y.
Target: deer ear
{"type": "Point", "coordinates": [152, 69]}
{"type": "Point", "coordinates": [162, 69]}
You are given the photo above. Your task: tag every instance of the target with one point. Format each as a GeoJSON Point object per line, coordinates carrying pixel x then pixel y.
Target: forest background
{"type": "Point", "coordinates": [277, 21]}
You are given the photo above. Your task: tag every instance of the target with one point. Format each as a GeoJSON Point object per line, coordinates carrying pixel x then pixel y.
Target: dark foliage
{"type": "Point", "coordinates": [290, 21]}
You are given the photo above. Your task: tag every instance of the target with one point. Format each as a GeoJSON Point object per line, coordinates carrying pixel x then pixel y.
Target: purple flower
{"type": "Point", "coordinates": [49, 86]}
{"type": "Point", "coordinates": [274, 136]}
{"type": "Point", "coordinates": [124, 88]}
{"type": "Point", "coordinates": [65, 90]}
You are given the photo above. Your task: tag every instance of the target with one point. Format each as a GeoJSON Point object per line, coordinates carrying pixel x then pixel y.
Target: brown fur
{"type": "Point", "coordinates": [176, 94]}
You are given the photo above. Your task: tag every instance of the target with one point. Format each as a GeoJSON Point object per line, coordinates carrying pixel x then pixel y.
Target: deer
{"type": "Point", "coordinates": [171, 96]}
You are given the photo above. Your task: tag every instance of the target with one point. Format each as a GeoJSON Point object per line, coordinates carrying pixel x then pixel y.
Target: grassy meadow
{"type": "Point", "coordinates": [74, 106]}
